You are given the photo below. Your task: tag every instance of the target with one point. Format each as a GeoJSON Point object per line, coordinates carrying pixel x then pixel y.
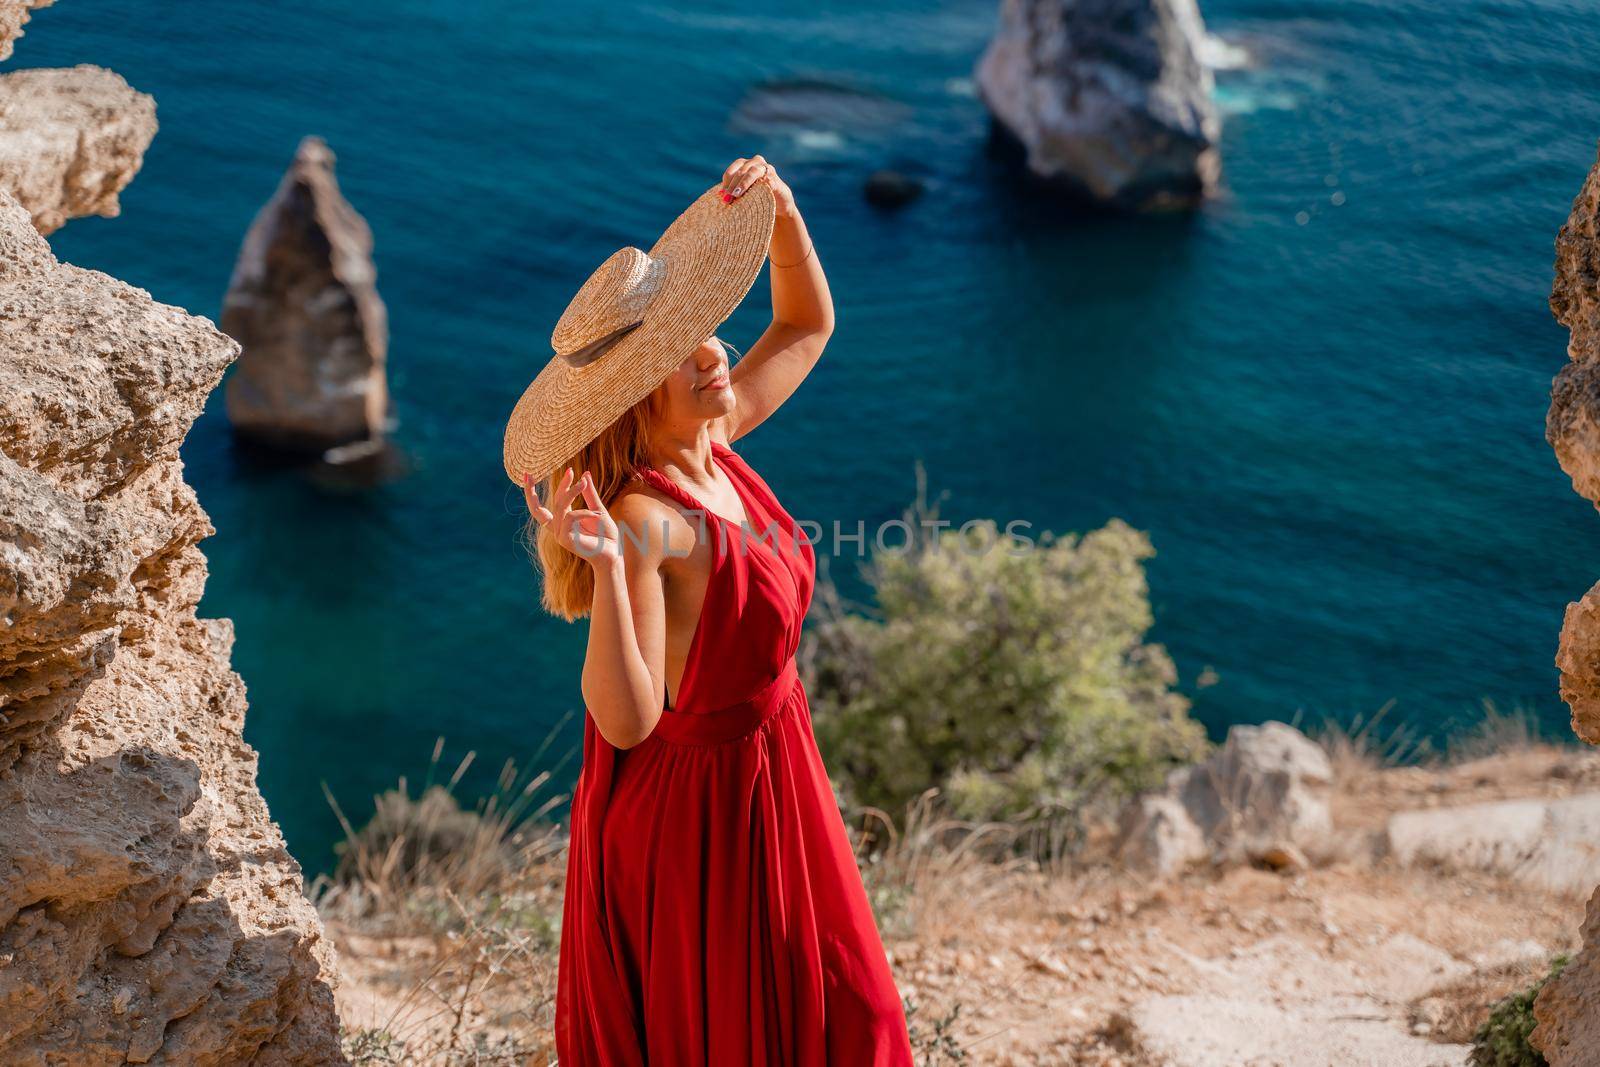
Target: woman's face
{"type": "Point", "coordinates": [699, 390]}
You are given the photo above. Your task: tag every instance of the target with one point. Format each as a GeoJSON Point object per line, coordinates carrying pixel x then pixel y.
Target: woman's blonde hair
{"type": "Point", "coordinates": [611, 459]}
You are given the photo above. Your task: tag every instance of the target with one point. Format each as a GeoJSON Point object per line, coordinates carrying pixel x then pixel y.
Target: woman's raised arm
{"type": "Point", "coordinates": [802, 307]}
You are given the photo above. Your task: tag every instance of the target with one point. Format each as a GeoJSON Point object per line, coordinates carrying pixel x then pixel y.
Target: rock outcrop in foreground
{"type": "Point", "coordinates": [13, 13]}
{"type": "Point", "coordinates": [149, 911]}
{"type": "Point", "coordinates": [1568, 1009]}
{"type": "Point", "coordinates": [71, 140]}
{"type": "Point", "coordinates": [304, 304]}
{"type": "Point", "coordinates": [1108, 98]}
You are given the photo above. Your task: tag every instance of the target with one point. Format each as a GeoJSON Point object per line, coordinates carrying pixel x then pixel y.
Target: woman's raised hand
{"type": "Point", "coordinates": [742, 173]}
{"type": "Point", "coordinates": [589, 532]}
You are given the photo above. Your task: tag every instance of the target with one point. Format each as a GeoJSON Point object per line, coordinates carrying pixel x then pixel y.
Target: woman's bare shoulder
{"type": "Point", "coordinates": [651, 522]}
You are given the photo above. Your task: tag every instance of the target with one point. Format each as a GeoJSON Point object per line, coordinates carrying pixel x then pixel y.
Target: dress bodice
{"type": "Point", "coordinates": [762, 575]}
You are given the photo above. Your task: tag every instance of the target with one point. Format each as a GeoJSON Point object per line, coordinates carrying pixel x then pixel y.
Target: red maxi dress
{"type": "Point", "coordinates": [714, 914]}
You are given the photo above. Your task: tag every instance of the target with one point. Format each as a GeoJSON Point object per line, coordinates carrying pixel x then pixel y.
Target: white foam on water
{"type": "Point", "coordinates": [1247, 99]}
{"type": "Point", "coordinates": [961, 87]}
{"type": "Point", "coordinates": [819, 140]}
{"type": "Point", "coordinates": [1220, 54]}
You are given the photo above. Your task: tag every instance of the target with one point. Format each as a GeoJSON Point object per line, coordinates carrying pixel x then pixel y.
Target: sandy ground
{"type": "Point", "coordinates": [1359, 959]}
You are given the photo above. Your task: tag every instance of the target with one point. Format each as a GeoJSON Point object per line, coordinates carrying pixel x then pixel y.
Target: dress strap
{"type": "Point", "coordinates": [661, 482]}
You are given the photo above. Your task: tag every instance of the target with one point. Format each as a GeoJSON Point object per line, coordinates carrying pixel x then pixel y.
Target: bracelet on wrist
{"type": "Point", "coordinates": [810, 248]}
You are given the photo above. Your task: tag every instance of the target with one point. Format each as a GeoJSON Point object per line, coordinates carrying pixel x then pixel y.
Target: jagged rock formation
{"type": "Point", "coordinates": [304, 304]}
{"type": "Point", "coordinates": [1573, 430]}
{"type": "Point", "coordinates": [70, 140]}
{"type": "Point", "coordinates": [13, 13]}
{"type": "Point", "coordinates": [148, 908]}
{"type": "Point", "coordinates": [1568, 1009]}
{"type": "Point", "coordinates": [1108, 98]}
{"type": "Point", "coordinates": [149, 912]}
{"type": "Point", "coordinates": [1263, 796]}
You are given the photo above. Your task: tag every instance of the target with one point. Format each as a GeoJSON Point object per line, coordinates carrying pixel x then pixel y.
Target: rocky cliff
{"type": "Point", "coordinates": [149, 912]}
{"type": "Point", "coordinates": [1568, 1009]}
{"type": "Point", "coordinates": [13, 13]}
{"type": "Point", "coordinates": [71, 140]}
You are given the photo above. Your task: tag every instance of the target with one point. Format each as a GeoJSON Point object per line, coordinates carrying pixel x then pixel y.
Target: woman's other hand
{"type": "Point", "coordinates": [589, 532]}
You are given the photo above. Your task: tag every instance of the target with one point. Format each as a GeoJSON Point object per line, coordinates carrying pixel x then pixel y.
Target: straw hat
{"type": "Point", "coordinates": [637, 317]}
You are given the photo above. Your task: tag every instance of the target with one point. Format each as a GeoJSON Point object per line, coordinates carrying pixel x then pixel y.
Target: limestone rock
{"type": "Point", "coordinates": [1546, 842]}
{"type": "Point", "coordinates": [149, 911]}
{"type": "Point", "coordinates": [1264, 792]}
{"type": "Point", "coordinates": [1568, 1008]}
{"type": "Point", "coordinates": [1266, 784]}
{"type": "Point", "coordinates": [70, 140]}
{"type": "Point", "coordinates": [304, 304]}
{"type": "Point", "coordinates": [1157, 836]}
{"type": "Point", "coordinates": [1573, 429]}
{"type": "Point", "coordinates": [13, 14]}
{"type": "Point", "coordinates": [1108, 98]}
{"type": "Point", "coordinates": [1578, 658]}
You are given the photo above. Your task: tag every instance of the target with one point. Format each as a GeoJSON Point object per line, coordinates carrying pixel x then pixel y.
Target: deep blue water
{"type": "Point", "coordinates": [1327, 415]}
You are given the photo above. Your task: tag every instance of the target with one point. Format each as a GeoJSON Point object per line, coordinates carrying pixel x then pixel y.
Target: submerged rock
{"type": "Point", "coordinates": [1108, 99]}
{"type": "Point", "coordinates": [304, 304]}
{"type": "Point", "coordinates": [149, 910]}
{"type": "Point", "coordinates": [817, 107]}
{"type": "Point", "coordinates": [1568, 1008]}
{"type": "Point", "coordinates": [892, 188]}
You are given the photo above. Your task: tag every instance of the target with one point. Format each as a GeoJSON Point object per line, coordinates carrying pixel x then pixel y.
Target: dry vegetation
{"type": "Point", "coordinates": [448, 921]}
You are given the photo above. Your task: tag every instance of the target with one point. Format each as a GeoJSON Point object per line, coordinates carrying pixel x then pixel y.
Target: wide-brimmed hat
{"type": "Point", "coordinates": [638, 316]}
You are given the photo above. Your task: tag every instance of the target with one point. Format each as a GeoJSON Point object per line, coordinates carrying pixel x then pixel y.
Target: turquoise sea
{"type": "Point", "coordinates": [1323, 396]}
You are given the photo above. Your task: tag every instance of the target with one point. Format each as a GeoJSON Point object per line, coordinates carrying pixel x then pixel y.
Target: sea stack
{"type": "Point", "coordinates": [1108, 100]}
{"type": "Point", "coordinates": [303, 303]}
{"type": "Point", "coordinates": [1568, 1008]}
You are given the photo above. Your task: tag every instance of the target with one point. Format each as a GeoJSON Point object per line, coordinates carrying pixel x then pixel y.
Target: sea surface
{"type": "Point", "coordinates": [1323, 396]}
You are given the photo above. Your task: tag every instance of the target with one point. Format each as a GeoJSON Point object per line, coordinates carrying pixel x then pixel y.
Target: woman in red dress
{"type": "Point", "coordinates": [714, 913]}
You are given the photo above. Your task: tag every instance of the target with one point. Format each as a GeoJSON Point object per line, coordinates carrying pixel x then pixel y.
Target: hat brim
{"type": "Point", "coordinates": [712, 253]}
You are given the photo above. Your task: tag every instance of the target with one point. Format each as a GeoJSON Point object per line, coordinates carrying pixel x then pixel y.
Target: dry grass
{"type": "Point", "coordinates": [1362, 749]}
{"type": "Point", "coordinates": [447, 919]}
{"type": "Point", "coordinates": [931, 873]}
{"type": "Point", "coordinates": [460, 909]}
{"type": "Point", "coordinates": [1496, 733]}
{"type": "Point", "coordinates": [1455, 1011]}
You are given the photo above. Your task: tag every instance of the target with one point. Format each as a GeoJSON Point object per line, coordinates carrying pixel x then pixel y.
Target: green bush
{"type": "Point", "coordinates": [1502, 1040]}
{"type": "Point", "coordinates": [1015, 678]}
